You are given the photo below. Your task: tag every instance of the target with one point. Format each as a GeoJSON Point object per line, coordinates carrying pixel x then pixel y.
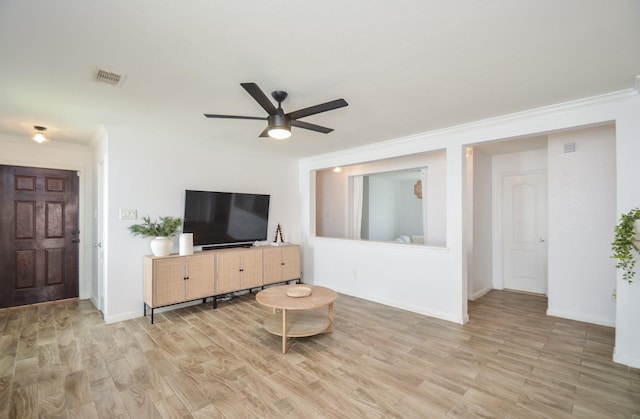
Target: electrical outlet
{"type": "Point", "coordinates": [128, 214]}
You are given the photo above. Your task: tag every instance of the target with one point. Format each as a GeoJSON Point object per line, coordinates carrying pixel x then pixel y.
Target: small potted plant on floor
{"type": "Point", "coordinates": [627, 235]}
{"type": "Point", "coordinates": [161, 231]}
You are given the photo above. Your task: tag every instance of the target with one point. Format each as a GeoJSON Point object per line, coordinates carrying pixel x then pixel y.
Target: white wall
{"type": "Point", "coordinates": [394, 209]}
{"type": "Point", "coordinates": [16, 151]}
{"type": "Point", "coordinates": [414, 278]}
{"type": "Point", "coordinates": [382, 210]}
{"type": "Point", "coordinates": [331, 203]}
{"type": "Point", "coordinates": [627, 350]}
{"type": "Point", "coordinates": [481, 267]}
{"type": "Point", "coordinates": [378, 271]}
{"type": "Point", "coordinates": [149, 173]}
{"type": "Point", "coordinates": [419, 278]}
{"type": "Point", "coordinates": [408, 209]}
{"type": "Point", "coordinates": [582, 210]}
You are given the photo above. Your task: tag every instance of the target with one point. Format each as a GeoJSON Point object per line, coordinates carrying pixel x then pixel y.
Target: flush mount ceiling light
{"type": "Point", "coordinates": [280, 123]}
{"type": "Point", "coordinates": [38, 136]}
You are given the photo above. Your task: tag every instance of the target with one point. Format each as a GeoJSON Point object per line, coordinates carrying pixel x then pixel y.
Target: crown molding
{"type": "Point", "coordinates": [530, 113]}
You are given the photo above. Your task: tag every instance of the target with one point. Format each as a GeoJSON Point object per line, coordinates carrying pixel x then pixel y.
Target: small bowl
{"type": "Point", "coordinates": [297, 292]}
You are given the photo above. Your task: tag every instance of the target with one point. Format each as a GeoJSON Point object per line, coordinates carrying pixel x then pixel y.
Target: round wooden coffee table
{"type": "Point", "coordinates": [300, 316]}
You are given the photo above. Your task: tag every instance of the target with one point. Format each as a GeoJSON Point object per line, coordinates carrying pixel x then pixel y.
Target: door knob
{"type": "Point", "coordinates": [541, 239]}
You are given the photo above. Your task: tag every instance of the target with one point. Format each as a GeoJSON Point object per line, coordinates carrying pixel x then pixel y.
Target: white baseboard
{"type": "Point", "coordinates": [633, 362]}
{"type": "Point", "coordinates": [479, 294]}
{"type": "Point", "coordinates": [419, 310]}
{"type": "Point", "coordinates": [581, 318]}
{"type": "Point", "coordinates": [122, 317]}
{"type": "Point", "coordinates": [133, 315]}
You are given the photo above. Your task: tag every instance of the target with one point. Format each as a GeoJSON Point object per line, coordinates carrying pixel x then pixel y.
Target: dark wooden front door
{"type": "Point", "coordinates": [38, 235]}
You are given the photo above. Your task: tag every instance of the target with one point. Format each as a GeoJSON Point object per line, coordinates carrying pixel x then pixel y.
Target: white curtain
{"type": "Point", "coordinates": [425, 197]}
{"type": "Point", "coordinates": [356, 207]}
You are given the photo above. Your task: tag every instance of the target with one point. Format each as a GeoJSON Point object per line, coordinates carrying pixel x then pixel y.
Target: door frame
{"type": "Point", "coordinates": [99, 243]}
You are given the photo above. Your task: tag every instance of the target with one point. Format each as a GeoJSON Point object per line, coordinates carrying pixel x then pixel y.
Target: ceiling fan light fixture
{"type": "Point", "coordinates": [279, 133]}
{"type": "Point", "coordinates": [279, 127]}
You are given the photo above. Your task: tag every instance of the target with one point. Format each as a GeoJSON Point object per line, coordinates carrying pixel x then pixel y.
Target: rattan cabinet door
{"type": "Point", "coordinates": [251, 269]}
{"type": "Point", "coordinates": [281, 263]}
{"type": "Point", "coordinates": [290, 263]}
{"type": "Point", "coordinates": [168, 281]}
{"type": "Point", "coordinates": [199, 271]}
{"type": "Point", "coordinates": [228, 278]}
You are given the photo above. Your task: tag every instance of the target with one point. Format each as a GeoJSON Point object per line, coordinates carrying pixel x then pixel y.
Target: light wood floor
{"type": "Point", "coordinates": [510, 360]}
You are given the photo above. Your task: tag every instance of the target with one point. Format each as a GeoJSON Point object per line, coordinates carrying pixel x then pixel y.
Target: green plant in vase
{"type": "Point", "coordinates": [623, 244]}
{"type": "Point", "coordinates": [161, 231]}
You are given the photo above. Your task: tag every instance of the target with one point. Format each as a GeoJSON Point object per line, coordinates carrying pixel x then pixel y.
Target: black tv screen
{"type": "Point", "coordinates": [225, 218]}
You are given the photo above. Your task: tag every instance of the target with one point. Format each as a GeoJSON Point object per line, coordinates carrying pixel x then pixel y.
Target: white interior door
{"type": "Point", "coordinates": [524, 229]}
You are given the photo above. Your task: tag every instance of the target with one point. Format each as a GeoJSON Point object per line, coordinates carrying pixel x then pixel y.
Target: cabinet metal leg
{"type": "Point", "coordinates": [144, 311]}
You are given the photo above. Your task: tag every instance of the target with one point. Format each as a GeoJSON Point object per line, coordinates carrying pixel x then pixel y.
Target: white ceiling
{"type": "Point", "coordinates": [405, 67]}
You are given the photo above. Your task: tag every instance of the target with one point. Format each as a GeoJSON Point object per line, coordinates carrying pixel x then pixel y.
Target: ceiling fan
{"type": "Point", "coordinates": [279, 123]}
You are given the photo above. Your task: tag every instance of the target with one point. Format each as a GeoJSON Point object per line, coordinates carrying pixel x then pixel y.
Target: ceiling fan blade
{"type": "Point", "coordinates": [209, 115]}
{"type": "Point", "coordinates": [258, 95]}
{"type": "Point", "coordinates": [264, 133]}
{"type": "Point", "coordinates": [323, 107]}
{"type": "Point", "coordinates": [312, 127]}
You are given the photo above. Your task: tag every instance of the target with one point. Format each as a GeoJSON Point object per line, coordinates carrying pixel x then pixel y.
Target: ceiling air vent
{"type": "Point", "coordinates": [108, 77]}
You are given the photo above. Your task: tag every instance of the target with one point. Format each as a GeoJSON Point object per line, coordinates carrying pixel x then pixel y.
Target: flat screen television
{"type": "Point", "coordinates": [220, 219]}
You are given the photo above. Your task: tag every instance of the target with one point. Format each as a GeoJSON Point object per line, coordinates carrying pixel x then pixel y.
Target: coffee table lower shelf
{"type": "Point", "coordinates": [298, 324]}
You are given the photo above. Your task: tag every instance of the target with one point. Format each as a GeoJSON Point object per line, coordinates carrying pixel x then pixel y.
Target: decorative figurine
{"type": "Point", "coordinates": [278, 233]}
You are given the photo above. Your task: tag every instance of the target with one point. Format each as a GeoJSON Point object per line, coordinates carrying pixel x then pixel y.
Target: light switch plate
{"type": "Point", "coordinates": [128, 214]}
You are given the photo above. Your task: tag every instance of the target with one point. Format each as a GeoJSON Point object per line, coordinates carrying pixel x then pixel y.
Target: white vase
{"type": "Point", "coordinates": [186, 244]}
{"type": "Point", "coordinates": [161, 246]}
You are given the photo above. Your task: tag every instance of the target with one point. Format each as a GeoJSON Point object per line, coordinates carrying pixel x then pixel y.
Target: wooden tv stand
{"type": "Point", "coordinates": [177, 279]}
